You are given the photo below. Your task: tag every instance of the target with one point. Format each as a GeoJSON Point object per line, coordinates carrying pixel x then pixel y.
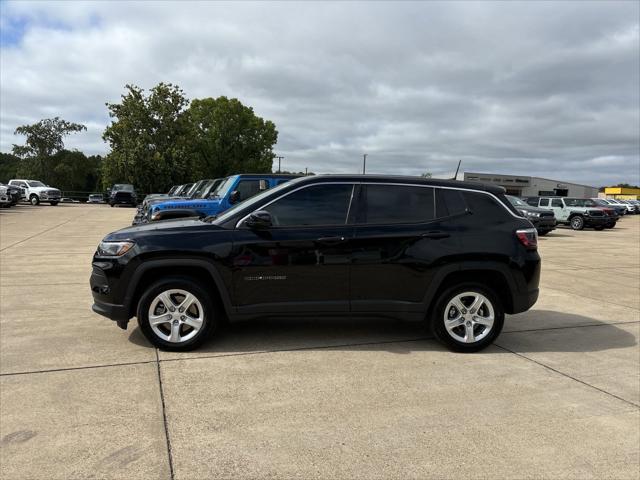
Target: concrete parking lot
{"type": "Point", "coordinates": [558, 396]}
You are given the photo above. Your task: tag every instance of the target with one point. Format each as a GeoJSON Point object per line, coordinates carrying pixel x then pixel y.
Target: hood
{"type": "Point", "coordinates": [179, 226]}
{"type": "Point", "coordinates": [42, 189]}
{"type": "Point", "coordinates": [535, 209]}
{"type": "Point", "coordinates": [187, 204]}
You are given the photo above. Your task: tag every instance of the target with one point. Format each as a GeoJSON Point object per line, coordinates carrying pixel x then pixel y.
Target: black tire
{"type": "Point", "coordinates": [34, 199]}
{"type": "Point", "coordinates": [542, 233]}
{"type": "Point", "coordinates": [212, 313]}
{"type": "Point", "coordinates": [599, 227]}
{"type": "Point", "coordinates": [439, 329]}
{"type": "Point", "coordinates": [577, 222]}
{"type": "Point", "coordinates": [611, 225]}
{"type": "Point", "coordinates": [111, 204]}
{"type": "Point", "coordinates": [53, 204]}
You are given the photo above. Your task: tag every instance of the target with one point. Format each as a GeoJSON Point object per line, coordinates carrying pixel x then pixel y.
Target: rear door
{"type": "Point", "coordinates": [398, 241]}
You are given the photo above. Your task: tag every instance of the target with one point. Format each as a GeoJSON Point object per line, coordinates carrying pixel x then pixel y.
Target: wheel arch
{"type": "Point", "coordinates": [200, 269]}
{"type": "Point", "coordinates": [494, 275]}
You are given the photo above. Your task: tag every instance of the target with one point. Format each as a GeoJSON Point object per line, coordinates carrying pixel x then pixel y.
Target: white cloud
{"type": "Point", "coordinates": [549, 89]}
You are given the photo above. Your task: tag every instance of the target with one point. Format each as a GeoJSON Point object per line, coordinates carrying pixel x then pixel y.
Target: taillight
{"type": "Point", "coordinates": [528, 238]}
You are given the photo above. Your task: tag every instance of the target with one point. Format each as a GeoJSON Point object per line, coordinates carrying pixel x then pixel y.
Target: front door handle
{"type": "Point", "coordinates": [331, 240]}
{"type": "Point", "coordinates": [435, 235]}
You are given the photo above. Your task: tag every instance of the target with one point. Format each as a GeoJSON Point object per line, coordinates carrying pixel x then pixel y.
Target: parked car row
{"type": "Point", "coordinates": [206, 198]}
{"type": "Point", "coordinates": [547, 212]}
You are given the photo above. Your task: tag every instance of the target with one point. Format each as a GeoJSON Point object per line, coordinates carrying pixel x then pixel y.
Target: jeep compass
{"type": "Point", "coordinates": [455, 255]}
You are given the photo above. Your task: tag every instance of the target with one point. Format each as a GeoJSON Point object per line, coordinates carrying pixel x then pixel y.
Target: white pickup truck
{"type": "Point", "coordinates": [36, 191]}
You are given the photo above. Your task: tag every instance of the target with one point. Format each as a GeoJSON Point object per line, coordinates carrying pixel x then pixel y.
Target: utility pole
{"type": "Point", "coordinates": [279, 160]}
{"type": "Point", "coordinates": [364, 163]}
{"type": "Point", "coordinates": [306, 171]}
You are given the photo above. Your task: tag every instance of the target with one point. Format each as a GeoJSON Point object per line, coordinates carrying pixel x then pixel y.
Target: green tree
{"type": "Point", "coordinates": [73, 170]}
{"type": "Point", "coordinates": [8, 167]}
{"type": "Point", "coordinates": [149, 138]}
{"type": "Point", "coordinates": [229, 138]}
{"type": "Point", "coordinates": [43, 140]}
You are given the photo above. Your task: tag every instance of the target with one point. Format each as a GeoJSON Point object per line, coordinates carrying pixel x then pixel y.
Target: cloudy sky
{"type": "Point", "coordinates": [548, 89]}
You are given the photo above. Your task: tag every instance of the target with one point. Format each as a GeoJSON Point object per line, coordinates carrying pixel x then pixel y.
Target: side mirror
{"type": "Point", "coordinates": [259, 220]}
{"type": "Point", "coordinates": [234, 197]}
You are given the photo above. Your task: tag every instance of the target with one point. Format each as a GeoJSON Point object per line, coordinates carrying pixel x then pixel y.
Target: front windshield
{"type": "Point", "coordinates": [224, 187]}
{"type": "Point", "coordinates": [35, 183]}
{"type": "Point", "coordinates": [516, 202]}
{"type": "Point", "coordinates": [123, 187]}
{"type": "Point", "coordinates": [192, 189]}
{"type": "Point", "coordinates": [248, 204]}
{"type": "Point", "coordinates": [201, 188]}
{"type": "Point", "coordinates": [206, 188]}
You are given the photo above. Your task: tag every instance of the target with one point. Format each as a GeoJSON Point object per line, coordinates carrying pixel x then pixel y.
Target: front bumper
{"type": "Point", "coordinates": [102, 298]}
{"type": "Point", "coordinates": [50, 197]}
{"type": "Point", "coordinates": [596, 221]}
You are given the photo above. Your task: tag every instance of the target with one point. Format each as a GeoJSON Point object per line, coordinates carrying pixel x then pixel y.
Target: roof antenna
{"type": "Point", "coordinates": [457, 169]}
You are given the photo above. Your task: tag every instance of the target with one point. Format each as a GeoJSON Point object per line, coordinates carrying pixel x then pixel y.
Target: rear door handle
{"type": "Point", "coordinates": [331, 240]}
{"type": "Point", "coordinates": [435, 235]}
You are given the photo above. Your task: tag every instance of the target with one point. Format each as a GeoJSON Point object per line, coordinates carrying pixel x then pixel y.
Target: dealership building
{"type": "Point", "coordinates": [523, 186]}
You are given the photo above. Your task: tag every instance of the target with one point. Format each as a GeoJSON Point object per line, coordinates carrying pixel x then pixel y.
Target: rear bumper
{"type": "Point", "coordinates": [545, 224]}
{"type": "Point", "coordinates": [524, 301]}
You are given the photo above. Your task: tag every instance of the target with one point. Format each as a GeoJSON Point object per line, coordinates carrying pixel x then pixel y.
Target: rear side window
{"type": "Point", "coordinates": [449, 203]}
{"type": "Point", "coordinates": [326, 204]}
{"type": "Point", "coordinates": [484, 205]}
{"type": "Point", "coordinates": [556, 202]}
{"type": "Point", "coordinates": [388, 204]}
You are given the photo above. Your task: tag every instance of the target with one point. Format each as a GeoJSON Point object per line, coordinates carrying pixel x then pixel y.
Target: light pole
{"type": "Point", "coordinates": [279, 160]}
{"type": "Point", "coordinates": [364, 163]}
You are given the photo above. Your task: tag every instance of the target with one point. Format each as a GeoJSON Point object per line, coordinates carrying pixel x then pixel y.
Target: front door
{"type": "Point", "coordinates": [301, 264]}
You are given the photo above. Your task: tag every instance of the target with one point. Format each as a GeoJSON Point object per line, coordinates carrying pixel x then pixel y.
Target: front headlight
{"type": "Point", "coordinates": [114, 249]}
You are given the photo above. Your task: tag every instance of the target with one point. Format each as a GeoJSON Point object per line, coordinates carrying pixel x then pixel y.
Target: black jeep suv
{"type": "Point", "coordinates": [455, 254]}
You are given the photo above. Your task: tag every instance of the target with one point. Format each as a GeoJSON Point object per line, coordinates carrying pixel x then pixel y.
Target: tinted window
{"type": "Point", "coordinates": [449, 203]}
{"type": "Point", "coordinates": [315, 205]}
{"type": "Point", "coordinates": [556, 202]}
{"type": "Point", "coordinates": [484, 205]}
{"type": "Point", "coordinates": [544, 202]}
{"type": "Point", "coordinates": [396, 204]}
{"type": "Point", "coordinates": [248, 188]}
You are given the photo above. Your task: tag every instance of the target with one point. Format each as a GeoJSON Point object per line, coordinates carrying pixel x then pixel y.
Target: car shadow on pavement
{"type": "Point", "coordinates": [542, 331]}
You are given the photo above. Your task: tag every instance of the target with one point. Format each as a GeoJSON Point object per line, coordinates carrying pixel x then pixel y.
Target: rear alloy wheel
{"type": "Point", "coordinates": [467, 318]}
{"type": "Point", "coordinates": [34, 200]}
{"type": "Point", "coordinates": [577, 222]}
{"type": "Point", "coordinates": [177, 314]}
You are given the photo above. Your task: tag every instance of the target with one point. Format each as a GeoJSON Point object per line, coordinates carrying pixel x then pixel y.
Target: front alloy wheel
{"type": "Point", "coordinates": [467, 318]}
{"type": "Point", "coordinates": [177, 314]}
{"type": "Point", "coordinates": [577, 223]}
{"type": "Point", "coordinates": [34, 200]}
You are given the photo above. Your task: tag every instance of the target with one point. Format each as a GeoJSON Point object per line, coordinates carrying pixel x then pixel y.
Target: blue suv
{"type": "Point", "coordinates": [230, 191]}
